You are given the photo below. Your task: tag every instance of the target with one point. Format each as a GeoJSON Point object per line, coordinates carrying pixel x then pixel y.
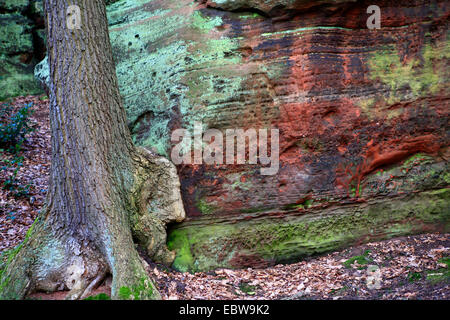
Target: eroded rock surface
{"type": "Point", "coordinates": [271, 7]}
{"type": "Point", "coordinates": [363, 119]}
{"type": "Point", "coordinates": [362, 114]}
{"type": "Point", "coordinates": [159, 203]}
{"type": "Point", "coordinates": [21, 46]}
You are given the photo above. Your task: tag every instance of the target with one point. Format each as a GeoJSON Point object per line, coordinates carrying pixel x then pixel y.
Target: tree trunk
{"type": "Point", "coordinates": [101, 186]}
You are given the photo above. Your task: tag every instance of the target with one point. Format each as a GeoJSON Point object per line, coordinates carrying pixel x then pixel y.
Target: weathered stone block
{"type": "Point", "coordinates": [363, 119]}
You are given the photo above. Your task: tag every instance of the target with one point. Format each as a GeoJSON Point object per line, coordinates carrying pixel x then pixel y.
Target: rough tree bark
{"type": "Point", "coordinates": [103, 192]}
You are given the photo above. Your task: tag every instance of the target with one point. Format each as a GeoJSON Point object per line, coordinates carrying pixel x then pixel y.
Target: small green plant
{"type": "Point", "coordinates": [14, 127]}
{"type": "Point", "coordinates": [445, 260]}
{"type": "Point", "coordinates": [361, 260]}
{"type": "Point", "coordinates": [414, 276]}
{"type": "Point", "coordinates": [247, 288]}
{"type": "Point", "coordinates": [441, 274]}
{"type": "Point", "coordinates": [12, 183]}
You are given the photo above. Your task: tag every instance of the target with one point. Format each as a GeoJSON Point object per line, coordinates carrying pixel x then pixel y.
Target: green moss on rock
{"type": "Point", "coordinates": [15, 33]}
{"type": "Point", "coordinates": [420, 76]}
{"type": "Point", "coordinates": [16, 47]}
{"type": "Point", "coordinates": [142, 291]}
{"type": "Point", "coordinates": [179, 240]}
{"type": "Point", "coordinates": [202, 247]}
{"type": "Point", "coordinates": [17, 79]}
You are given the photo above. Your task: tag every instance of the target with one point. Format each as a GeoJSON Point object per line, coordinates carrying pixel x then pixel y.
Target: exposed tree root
{"type": "Point", "coordinates": [158, 201]}
{"type": "Point", "coordinates": [49, 260]}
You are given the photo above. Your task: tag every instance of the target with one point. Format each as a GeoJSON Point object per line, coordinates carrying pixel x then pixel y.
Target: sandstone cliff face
{"type": "Point", "coordinates": [21, 46]}
{"type": "Point", "coordinates": [362, 114]}
{"type": "Point", "coordinates": [363, 118]}
{"type": "Point", "coordinates": [270, 7]}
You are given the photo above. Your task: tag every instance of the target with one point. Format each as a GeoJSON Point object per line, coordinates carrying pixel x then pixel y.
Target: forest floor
{"type": "Point", "coordinates": [413, 267]}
